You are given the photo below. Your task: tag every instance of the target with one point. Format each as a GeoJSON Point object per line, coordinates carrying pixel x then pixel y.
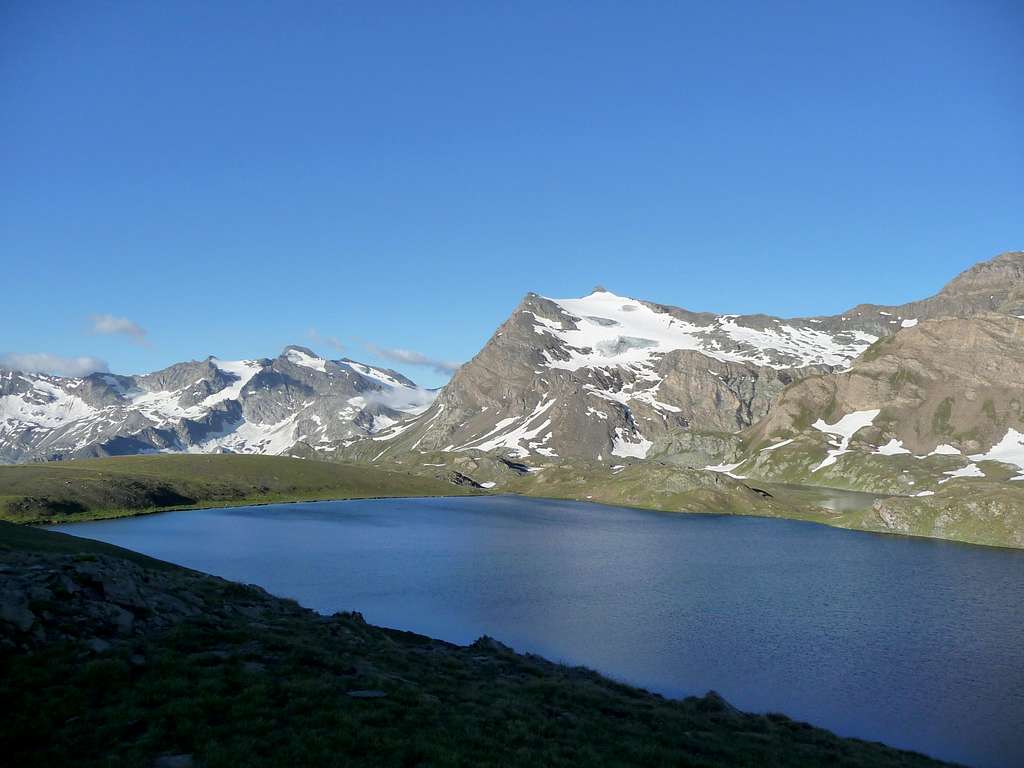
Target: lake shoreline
{"type": "Point", "coordinates": [672, 603]}
{"type": "Point", "coordinates": [102, 515]}
{"type": "Point", "coordinates": [111, 488]}
{"type": "Point", "coordinates": [349, 684]}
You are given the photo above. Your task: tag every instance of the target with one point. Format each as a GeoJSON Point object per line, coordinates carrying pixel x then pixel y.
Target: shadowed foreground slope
{"type": "Point", "coordinates": [111, 658]}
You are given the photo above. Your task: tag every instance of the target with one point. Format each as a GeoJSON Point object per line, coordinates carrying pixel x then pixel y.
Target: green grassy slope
{"type": "Point", "coordinates": [88, 489]}
{"type": "Point", "coordinates": [973, 510]}
{"type": "Point", "coordinates": [108, 659]}
{"type": "Point", "coordinates": [642, 484]}
{"type": "Point", "coordinates": [977, 511]}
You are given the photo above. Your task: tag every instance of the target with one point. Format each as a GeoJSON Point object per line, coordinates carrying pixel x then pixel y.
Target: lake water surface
{"type": "Point", "coordinates": [916, 643]}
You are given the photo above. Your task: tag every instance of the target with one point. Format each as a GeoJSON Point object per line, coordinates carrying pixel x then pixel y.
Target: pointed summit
{"type": "Point", "coordinates": [298, 348]}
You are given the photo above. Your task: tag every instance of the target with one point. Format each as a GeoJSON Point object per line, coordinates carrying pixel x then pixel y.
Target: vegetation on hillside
{"type": "Point", "coordinates": [129, 485]}
{"type": "Point", "coordinates": [978, 511]}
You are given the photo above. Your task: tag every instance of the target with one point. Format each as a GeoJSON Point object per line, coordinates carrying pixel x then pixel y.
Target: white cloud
{"type": "Point", "coordinates": [109, 324]}
{"type": "Point", "coordinates": [401, 398]}
{"type": "Point", "coordinates": [320, 340]}
{"type": "Point", "coordinates": [43, 362]}
{"type": "Point", "coordinates": [410, 357]}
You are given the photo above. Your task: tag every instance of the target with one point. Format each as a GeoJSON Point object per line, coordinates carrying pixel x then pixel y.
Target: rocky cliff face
{"type": "Point", "coordinates": [247, 406]}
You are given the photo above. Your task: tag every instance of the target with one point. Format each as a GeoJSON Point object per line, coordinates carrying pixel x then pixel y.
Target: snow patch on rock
{"type": "Point", "coordinates": [727, 469]}
{"type": "Point", "coordinates": [528, 428]}
{"type": "Point", "coordinates": [1009, 450]}
{"type": "Point", "coordinates": [612, 330]}
{"type": "Point", "coordinates": [298, 357]}
{"type": "Point", "coordinates": [842, 431]}
{"type": "Point", "coordinates": [971, 470]}
{"type": "Point", "coordinates": [621, 446]}
{"type": "Point", "coordinates": [893, 448]}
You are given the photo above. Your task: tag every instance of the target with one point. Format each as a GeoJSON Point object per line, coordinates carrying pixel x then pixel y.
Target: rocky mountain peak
{"type": "Point", "coordinates": [605, 377]}
{"type": "Point", "coordinates": [297, 348]}
{"type": "Point", "coordinates": [1004, 272]}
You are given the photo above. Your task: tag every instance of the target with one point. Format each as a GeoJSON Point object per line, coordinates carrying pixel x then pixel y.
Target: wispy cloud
{"type": "Point", "coordinates": [43, 362]}
{"type": "Point", "coordinates": [401, 398]}
{"type": "Point", "coordinates": [329, 341]}
{"type": "Point", "coordinates": [410, 357]}
{"type": "Point", "coordinates": [110, 325]}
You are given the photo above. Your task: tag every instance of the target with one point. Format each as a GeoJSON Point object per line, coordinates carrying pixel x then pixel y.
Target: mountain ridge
{"type": "Point", "coordinates": [263, 405]}
{"type": "Point", "coordinates": [627, 401]}
{"type": "Point", "coordinates": [649, 380]}
{"type": "Point", "coordinates": [611, 356]}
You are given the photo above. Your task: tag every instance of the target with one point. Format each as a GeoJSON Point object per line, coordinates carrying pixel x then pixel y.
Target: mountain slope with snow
{"type": "Point", "coordinates": [937, 402]}
{"type": "Point", "coordinates": [604, 330]}
{"type": "Point", "coordinates": [606, 377]}
{"type": "Point", "coordinates": [248, 406]}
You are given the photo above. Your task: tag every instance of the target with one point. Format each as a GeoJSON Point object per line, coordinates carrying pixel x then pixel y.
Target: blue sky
{"type": "Point", "coordinates": [226, 178]}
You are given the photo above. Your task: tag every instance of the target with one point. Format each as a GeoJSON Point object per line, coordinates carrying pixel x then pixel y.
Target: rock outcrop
{"type": "Point", "coordinates": [942, 400]}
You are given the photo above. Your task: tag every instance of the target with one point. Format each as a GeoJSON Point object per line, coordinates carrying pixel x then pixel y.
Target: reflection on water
{"type": "Point", "coordinates": [833, 499]}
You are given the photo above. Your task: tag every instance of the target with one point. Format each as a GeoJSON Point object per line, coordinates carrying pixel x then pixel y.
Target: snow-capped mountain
{"type": "Point", "coordinates": [245, 406]}
{"type": "Point", "coordinates": [607, 377]}
{"type": "Point", "coordinates": [603, 378]}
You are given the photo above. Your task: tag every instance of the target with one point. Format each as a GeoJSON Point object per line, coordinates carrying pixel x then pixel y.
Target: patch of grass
{"type": "Point", "coordinates": [129, 485]}
{"type": "Point", "coordinates": [876, 350]}
{"type": "Point", "coordinates": [804, 418]}
{"type": "Point", "coordinates": [989, 409]}
{"type": "Point", "coordinates": [941, 417]}
{"type": "Point", "coordinates": [975, 510]}
{"type": "Point", "coordinates": [903, 377]}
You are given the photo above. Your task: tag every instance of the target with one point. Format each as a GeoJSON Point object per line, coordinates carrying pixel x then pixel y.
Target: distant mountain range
{"type": "Point", "coordinates": [918, 401]}
{"type": "Point", "coordinates": [243, 406]}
